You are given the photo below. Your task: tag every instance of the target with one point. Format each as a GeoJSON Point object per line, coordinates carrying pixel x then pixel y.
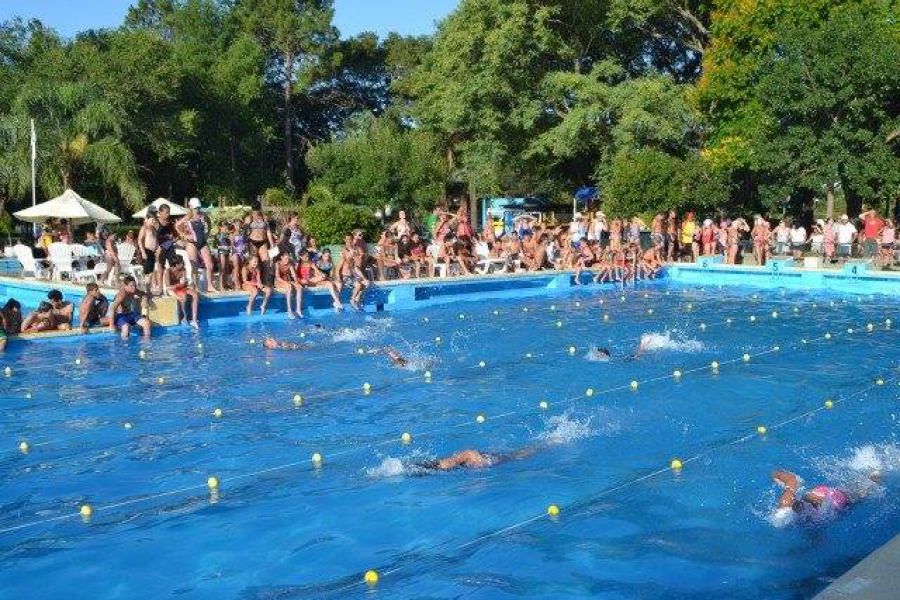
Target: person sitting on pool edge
{"type": "Point", "coordinates": [128, 309]}
{"type": "Point", "coordinates": [94, 309]}
{"type": "Point", "coordinates": [177, 286]}
{"type": "Point", "coordinates": [819, 503]}
{"type": "Point", "coordinates": [54, 314]}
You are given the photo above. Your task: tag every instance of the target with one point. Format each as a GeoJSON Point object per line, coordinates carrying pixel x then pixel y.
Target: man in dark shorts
{"type": "Point", "coordinates": [166, 236]}
{"type": "Point", "coordinates": [94, 309]}
{"type": "Point", "coordinates": [128, 309]}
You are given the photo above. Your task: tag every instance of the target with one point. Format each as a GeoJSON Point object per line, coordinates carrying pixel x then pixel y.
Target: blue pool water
{"type": "Point", "coordinates": [281, 528]}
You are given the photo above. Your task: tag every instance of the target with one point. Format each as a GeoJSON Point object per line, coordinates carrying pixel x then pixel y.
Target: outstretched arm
{"type": "Point", "coordinates": [790, 483]}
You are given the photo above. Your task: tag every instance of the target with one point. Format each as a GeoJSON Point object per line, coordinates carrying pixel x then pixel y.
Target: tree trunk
{"type": "Point", "coordinates": [288, 119]}
{"type": "Point", "coordinates": [854, 202]}
{"type": "Point", "coordinates": [829, 201]}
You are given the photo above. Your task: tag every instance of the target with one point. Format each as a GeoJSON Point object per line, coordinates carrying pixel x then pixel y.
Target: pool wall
{"type": "Point", "coordinates": [854, 278]}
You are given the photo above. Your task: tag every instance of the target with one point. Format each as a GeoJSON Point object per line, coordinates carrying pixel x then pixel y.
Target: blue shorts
{"type": "Point", "coordinates": [129, 318]}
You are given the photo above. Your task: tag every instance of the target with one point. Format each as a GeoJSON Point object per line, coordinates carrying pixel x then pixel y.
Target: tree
{"type": "Point", "coordinates": [380, 162]}
{"type": "Point", "coordinates": [476, 89]}
{"type": "Point", "coordinates": [79, 139]}
{"type": "Point", "coordinates": [295, 34]}
{"type": "Point", "coordinates": [831, 91]}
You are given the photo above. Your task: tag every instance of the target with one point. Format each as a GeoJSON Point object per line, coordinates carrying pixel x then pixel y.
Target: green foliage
{"type": "Point", "coordinates": [649, 180]}
{"type": "Point", "coordinates": [380, 162]}
{"type": "Point", "coordinates": [277, 197]}
{"type": "Point", "coordinates": [330, 221]}
{"type": "Point", "coordinates": [830, 89]}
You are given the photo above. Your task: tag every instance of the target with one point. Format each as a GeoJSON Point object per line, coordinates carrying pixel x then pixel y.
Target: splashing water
{"type": "Point", "coordinates": [375, 329]}
{"type": "Point", "coordinates": [389, 467]}
{"type": "Point", "coordinates": [854, 471]}
{"type": "Point", "coordinates": [595, 355]}
{"type": "Point", "coordinates": [561, 429]}
{"type": "Point", "coordinates": [655, 342]}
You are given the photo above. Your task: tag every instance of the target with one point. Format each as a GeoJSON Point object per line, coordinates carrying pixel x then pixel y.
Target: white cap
{"type": "Point", "coordinates": [845, 218]}
{"type": "Point", "coordinates": [578, 216]}
{"type": "Point", "coordinates": [194, 203]}
{"type": "Point", "coordinates": [707, 222]}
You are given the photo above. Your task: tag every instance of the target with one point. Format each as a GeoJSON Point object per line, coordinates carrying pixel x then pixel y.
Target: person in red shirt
{"type": "Point", "coordinates": [872, 226]}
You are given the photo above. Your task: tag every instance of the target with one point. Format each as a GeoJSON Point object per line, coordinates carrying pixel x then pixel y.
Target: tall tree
{"type": "Point", "coordinates": [295, 34]}
{"type": "Point", "coordinates": [79, 138]}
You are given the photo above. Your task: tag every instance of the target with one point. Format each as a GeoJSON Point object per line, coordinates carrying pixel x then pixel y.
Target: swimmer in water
{"type": "Point", "coordinates": [595, 354]}
{"type": "Point", "coordinates": [271, 343]}
{"type": "Point", "coordinates": [819, 503]}
{"type": "Point", "coordinates": [397, 359]}
{"type": "Point", "coordinates": [473, 459]}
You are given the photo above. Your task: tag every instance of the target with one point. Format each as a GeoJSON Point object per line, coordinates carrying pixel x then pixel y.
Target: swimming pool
{"type": "Point", "coordinates": [280, 527]}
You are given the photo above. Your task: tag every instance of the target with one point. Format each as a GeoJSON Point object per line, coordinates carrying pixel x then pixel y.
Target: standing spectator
{"type": "Point", "coordinates": [782, 238]}
{"type": "Point", "coordinates": [798, 240]}
{"type": "Point", "coordinates": [688, 235]}
{"type": "Point", "coordinates": [829, 240]}
{"type": "Point", "coordinates": [846, 235]}
{"type": "Point", "coordinates": [872, 225]}
{"type": "Point", "coordinates": [888, 237]}
{"type": "Point", "coordinates": [761, 234]}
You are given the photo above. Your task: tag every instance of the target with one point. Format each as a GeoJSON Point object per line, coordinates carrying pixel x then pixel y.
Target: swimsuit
{"type": "Point", "coordinates": [198, 226]}
{"type": "Point", "coordinates": [223, 244]}
{"type": "Point", "coordinates": [98, 309]}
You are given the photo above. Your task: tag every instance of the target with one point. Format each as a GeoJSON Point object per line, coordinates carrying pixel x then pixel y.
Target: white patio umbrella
{"type": "Point", "coordinates": [69, 206]}
{"type": "Point", "coordinates": [174, 209]}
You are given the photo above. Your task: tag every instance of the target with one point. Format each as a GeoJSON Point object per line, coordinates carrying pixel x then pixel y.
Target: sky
{"type": "Point", "coordinates": [68, 17]}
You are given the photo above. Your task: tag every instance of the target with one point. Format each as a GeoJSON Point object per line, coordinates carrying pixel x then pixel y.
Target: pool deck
{"type": "Point", "coordinates": [876, 577]}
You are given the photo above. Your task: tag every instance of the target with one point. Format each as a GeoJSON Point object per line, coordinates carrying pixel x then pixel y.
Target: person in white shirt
{"type": "Point", "coordinates": [798, 240]}
{"type": "Point", "coordinates": [846, 236]}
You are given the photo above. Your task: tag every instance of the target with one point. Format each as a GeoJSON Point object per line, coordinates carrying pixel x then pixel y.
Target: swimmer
{"type": "Point", "coordinates": [820, 502]}
{"type": "Point", "coordinates": [271, 343]}
{"type": "Point", "coordinates": [473, 459]}
{"type": "Point", "coordinates": [397, 359]}
{"type": "Point", "coordinates": [596, 354]}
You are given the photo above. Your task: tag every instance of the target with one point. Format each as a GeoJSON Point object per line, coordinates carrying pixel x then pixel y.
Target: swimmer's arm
{"type": "Point", "coordinates": [790, 483]}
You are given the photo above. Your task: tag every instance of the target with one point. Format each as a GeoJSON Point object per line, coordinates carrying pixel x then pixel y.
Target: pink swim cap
{"type": "Point", "coordinates": [836, 499]}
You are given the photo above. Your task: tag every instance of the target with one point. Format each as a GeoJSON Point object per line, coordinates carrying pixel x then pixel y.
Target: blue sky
{"type": "Point", "coordinates": [351, 16]}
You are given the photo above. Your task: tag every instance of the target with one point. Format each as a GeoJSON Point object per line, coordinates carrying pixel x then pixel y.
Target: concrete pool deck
{"type": "Point", "coordinates": [876, 577]}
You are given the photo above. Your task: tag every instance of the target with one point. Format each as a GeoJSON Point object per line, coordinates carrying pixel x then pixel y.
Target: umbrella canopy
{"type": "Point", "coordinates": [69, 206]}
{"type": "Point", "coordinates": [174, 209]}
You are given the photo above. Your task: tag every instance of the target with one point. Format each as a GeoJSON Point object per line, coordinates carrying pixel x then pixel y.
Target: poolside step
{"type": "Point", "coordinates": [164, 311]}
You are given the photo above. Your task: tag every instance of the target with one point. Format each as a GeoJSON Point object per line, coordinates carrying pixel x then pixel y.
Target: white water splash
{"type": "Point", "coordinates": [655, 342]}
{"type": "Point", "coordinates": [594, 355]}
{"type": "Point", "coordinates": [389, 467]}
{"type": "Point", "coordinates": [563, 430]}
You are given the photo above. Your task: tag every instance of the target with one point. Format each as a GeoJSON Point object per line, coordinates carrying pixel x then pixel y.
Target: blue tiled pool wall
{"type": "Point", "coordinates": [405, 296]}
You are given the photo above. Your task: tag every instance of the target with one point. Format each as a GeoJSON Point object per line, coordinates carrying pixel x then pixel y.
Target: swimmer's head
{"type": "Point", "coordinates": [270, 343]}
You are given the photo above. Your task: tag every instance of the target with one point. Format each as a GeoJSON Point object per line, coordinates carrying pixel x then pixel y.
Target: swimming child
{"type": "Point", "coordinates": [473, 459]}
{"type": "Point", "coordinates": [271, 343]}
{"type": "Point", "coordinates": [822, 502]}
{"type": "Point", "coordinates": [595, 354]}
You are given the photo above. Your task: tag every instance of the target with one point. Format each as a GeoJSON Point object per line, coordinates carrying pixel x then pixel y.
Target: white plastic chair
{"type": "Point", "coordinates": [434, 251]}
{"type": "Point", "coordinates": [60, 259]}
{"type": "Point", "coordinates": [126, 254]}
{"type": "Point", "coordinates": [25, 256]}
